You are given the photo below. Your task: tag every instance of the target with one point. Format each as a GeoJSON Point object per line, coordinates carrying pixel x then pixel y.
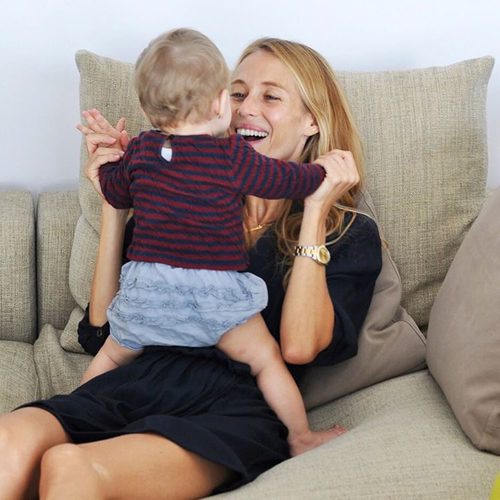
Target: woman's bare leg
{"type": "Point", "coordinates": [25, 435]}
{"type": "Point", "coordinates": [145, 466]}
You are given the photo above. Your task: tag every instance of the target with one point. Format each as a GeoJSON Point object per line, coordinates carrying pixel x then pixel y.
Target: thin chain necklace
{"type": "Point", "coordinates": [259, 226]}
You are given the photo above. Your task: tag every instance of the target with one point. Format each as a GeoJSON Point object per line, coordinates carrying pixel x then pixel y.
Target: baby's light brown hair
{"type": "Point", "coordinates": [178, 76]}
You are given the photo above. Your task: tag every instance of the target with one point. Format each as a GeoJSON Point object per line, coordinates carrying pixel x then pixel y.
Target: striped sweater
{"type": "Point", "coordinates": [188, 211]}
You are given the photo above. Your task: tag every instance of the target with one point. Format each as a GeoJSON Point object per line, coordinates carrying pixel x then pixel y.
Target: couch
{"type": "Point", "coordinates": [421, 399]}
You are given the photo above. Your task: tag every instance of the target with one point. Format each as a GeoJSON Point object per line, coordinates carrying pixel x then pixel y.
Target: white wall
{"type": "Point", "coordinates": [39, 80]}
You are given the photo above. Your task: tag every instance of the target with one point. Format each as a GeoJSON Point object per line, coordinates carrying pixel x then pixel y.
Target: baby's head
{"type": "Point", "coordinates": [178, 76]}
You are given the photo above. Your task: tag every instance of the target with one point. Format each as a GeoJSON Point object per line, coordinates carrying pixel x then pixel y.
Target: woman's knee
{"type": "Point", "coordinates": [64, 460]}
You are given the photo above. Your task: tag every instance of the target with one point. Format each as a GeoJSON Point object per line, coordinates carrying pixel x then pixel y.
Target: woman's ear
{"type": "Point", "coordinates": [311, 127]}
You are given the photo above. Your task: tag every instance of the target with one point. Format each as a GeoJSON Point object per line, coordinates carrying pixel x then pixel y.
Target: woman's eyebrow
{"type": "Point", "coordinates": [266, 84]}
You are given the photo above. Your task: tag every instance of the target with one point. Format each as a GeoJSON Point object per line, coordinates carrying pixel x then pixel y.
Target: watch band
{"type": "Point", "coordinates": [318, 253]}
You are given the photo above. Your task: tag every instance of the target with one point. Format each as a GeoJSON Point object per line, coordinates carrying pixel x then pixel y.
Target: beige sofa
{"type": "Point", "coordinates": [414, 432]}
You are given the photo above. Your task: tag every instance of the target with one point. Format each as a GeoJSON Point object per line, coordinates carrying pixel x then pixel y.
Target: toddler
{"type": "Point", "coordinates": [185, 180]}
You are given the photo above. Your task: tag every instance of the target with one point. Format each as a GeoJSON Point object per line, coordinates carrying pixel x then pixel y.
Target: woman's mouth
{"type": "Point", "coordinates": [251, 134]}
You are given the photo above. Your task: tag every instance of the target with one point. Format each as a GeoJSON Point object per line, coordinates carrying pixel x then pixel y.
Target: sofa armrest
{"type": "Point", "coordinates": [17, 267]}
{"type": "Point", "coordinates": [57, 215]}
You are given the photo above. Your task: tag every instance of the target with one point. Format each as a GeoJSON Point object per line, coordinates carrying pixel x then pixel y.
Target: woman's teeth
{"type": "Point", "coordinates": [249, 133]}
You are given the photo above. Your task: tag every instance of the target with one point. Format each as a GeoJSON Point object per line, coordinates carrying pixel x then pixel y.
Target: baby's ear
{"type": "Point", "coordinates": [220, 103]}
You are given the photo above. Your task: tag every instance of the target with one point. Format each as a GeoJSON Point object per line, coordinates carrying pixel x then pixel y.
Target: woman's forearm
{"type": "Point", "coordinates": [307, 318]}
{"type": "Point", "coordinates": [108, 263]}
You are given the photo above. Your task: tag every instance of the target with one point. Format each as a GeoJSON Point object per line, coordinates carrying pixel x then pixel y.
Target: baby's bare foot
{"type": "Point", "coordinates": [311, 439]}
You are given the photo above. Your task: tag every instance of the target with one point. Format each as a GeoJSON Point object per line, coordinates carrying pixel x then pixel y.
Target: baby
{"type": "Point", "coordinates": [185, 180]}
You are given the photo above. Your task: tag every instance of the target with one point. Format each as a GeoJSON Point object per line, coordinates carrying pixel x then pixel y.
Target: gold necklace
{"type": "Point", "coordinates": [259, 226]}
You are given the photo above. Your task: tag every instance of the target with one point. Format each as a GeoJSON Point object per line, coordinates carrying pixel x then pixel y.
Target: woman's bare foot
{"type": "Point", "coordinates": [311, 439]}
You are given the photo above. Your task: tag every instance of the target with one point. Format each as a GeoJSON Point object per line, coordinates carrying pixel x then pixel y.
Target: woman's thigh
{"type": "Point", "coordinates": [25, 435]}
{"type": "Point", "coordinates": [151, 466]}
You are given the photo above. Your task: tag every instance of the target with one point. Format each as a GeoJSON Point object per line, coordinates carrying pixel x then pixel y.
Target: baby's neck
{"type": "Point", "coordinates": [185, 128]}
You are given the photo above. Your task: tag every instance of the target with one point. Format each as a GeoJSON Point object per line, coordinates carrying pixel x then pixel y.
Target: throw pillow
{"type": "Point", "coordinates": [463, 350]}
{"type": "Point", "coordinates": [390, 342]}
{"type": "Point", "coordinates": [424, 136]}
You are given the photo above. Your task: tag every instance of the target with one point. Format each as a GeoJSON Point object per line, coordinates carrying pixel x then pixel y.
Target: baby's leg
{"type": "Point", "coordinates": [252, 343]}
{"type": "Point", "coordinates": [110, 356]}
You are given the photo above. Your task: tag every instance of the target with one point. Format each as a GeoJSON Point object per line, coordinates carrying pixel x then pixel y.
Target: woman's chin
{"type": "Point", "coordinates": [258, 144]}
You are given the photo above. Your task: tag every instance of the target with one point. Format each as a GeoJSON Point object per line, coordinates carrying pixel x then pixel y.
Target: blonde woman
{"type": "Point", "coordinates": [145, 430]}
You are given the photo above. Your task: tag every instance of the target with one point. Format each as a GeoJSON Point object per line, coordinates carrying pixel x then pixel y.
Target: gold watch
{"type": "Point", "coordinates": [318, 253]}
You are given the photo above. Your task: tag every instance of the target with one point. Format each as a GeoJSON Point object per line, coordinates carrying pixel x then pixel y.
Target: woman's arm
{"type": "Point", "coordinates": [104, 144]}
{"type": "Point", "coordinates": [108, 263]}
{"type": "Point", "coordinates": [308, 314]}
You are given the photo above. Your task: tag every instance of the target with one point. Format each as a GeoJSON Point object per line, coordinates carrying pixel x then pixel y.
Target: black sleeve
{"type": "Point", "coordinates": [355, 264]}
{"type": "Point", "coordinates": [91, 337]}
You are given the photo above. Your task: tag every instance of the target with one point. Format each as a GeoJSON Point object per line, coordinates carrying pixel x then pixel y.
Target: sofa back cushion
{"type": "Point", "coordinates": [425, 141]}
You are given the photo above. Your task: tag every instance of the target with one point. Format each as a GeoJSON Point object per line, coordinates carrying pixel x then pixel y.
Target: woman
{"type": "Point", "coordinates": [146, 430]}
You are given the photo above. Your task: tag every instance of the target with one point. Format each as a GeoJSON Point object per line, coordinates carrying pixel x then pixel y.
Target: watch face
{"type": "Point", "coordinates": [324, 255]}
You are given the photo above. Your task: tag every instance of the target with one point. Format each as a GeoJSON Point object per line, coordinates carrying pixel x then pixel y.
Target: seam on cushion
{"type": "Point", "coordinates": [488, 430]}
{"type": "Point", "coordinates": [417, 332]}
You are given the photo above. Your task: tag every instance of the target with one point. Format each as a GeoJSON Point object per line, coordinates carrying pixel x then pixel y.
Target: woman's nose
{"type": "Point", "coordinates": [248, 107]}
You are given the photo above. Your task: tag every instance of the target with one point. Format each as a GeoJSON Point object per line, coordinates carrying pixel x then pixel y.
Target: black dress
{"type": "Point", "coordinates": [201, 399]}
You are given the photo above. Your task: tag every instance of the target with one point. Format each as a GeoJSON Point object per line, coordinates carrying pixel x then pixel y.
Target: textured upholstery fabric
{"type": "Point", "coordinates": [464, 331]}
{"type": "Point", "coordinates": [17, 267]}
{"type": "Point", "coordinates": [403, 443]}
{"type": "Point", "coordinates": [424, 135]}
{"type": "Point", "coordinates": [390, 343]}
{"type": "Point", "coordinates": [18, 377]}
{"type": "Point", "coordinates": [56, 218]}
{"type": "Point", "coordinates": [59, 371]}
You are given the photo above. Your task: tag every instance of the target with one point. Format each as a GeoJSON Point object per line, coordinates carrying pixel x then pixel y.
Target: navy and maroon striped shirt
{"type": "Point", "coordinates": [188, 211]}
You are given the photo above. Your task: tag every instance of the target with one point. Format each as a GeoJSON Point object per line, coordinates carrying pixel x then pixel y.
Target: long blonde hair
{"type": "Point", "coordinates": [325, 100]}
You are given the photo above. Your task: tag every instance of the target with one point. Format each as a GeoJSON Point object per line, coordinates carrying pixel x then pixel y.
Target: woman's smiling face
{"type": "Point", "coordinates": [267, 107]}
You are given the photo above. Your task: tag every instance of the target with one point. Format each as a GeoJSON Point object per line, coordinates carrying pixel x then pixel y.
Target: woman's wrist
{"type": "Point", "coordinates": [313, 227]}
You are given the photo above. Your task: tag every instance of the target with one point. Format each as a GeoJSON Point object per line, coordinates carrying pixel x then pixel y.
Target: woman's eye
{"type": "Point", "coordinates": [237, 96]}
{"type": "Point", "coordinates": [271, 97]}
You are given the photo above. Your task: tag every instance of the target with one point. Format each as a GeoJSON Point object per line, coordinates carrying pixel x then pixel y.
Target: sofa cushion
{"type": "Point", "coordinates": [59, 371]}
{"type": "Point", "coordinates": [390, 343]}
{"type": "Point", "coordinates": [402, 442]}
{"type": "Point", "coordinates": [464, 333]}
{"type": "Point", "coordinates": [17, 267]}
{"type": "Point", "coordinates": [18, 375]}
{"type": "Point", "coordinates": [424, 137]}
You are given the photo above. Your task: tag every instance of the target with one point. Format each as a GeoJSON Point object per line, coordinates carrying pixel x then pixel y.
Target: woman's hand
{"type": "Point", "coordinates": [99, 132]}
{"type": "Point", "coordinates": [97, 159]}
{"type": "Point", "coordinates": [105, 143]}
{"type": "Point", "coordinates": [341, 176]}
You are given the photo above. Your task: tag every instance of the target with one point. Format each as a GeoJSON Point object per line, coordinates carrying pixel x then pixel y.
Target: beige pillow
{"type": "Point", "coordinates": [463, 350]}
{"type": "Point", "coordinates": [390, 342]}
{"type": "Point", "coordinates": [424, 135]}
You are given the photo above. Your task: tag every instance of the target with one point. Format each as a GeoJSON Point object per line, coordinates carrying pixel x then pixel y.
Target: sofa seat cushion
{"type": "Point", "coordinates": [18, 376]}
{"type": "Point", "coordinates": [403, 442]}
{"type": "Point", "coordinates": [59, 371]}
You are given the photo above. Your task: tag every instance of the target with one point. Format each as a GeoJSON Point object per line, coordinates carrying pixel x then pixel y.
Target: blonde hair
{"type": "Point", "coordinates": [178, 76]}
{"type": "Point", "coordinates": [325, 100]}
